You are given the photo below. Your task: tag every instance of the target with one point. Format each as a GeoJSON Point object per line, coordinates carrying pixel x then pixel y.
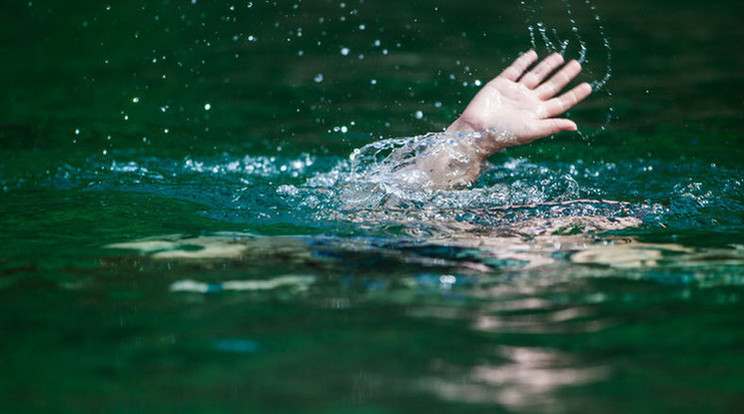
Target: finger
{"type": "Point", "coordinates": [563, 103]}
{"type": "Point", "coordinates": [541, 71]}
{"type": "Point", "coordinates": [515, 70]}
{"type": "Point", "coordinates": [559, 80]}
{"type": "Point", "coordinates": [547, 127]}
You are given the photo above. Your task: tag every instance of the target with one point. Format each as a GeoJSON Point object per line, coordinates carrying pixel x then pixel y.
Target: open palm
{"type": "Point", "coordinates": [519, 106]}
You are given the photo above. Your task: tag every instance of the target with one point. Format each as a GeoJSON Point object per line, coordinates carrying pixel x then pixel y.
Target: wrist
{"type": "Point", "coordinates": [461, 126]}
{"type": "Point", "coordinates": [484, 141]}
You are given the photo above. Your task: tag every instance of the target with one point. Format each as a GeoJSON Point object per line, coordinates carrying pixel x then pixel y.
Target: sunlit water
{"type": "Point", "coordinates": [204, 209]}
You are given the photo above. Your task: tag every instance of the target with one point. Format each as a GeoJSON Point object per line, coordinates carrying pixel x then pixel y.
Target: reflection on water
{"type": "Point", "coordinates": [527, 380]}
{"type": "Point", "coordinates": [576, 256]}
{"type": "Point", "coordinates": [514, 322]}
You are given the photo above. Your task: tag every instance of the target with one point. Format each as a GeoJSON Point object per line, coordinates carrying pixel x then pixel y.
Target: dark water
{"type": "Point", "coordinates": [183, 229]}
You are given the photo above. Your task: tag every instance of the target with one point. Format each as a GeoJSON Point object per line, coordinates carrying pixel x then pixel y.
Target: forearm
{"type": "Point", "coordinates": [515, 108]}
{"type": "Point", "coordinates": [452, 159]}
{"type": "Point", "coordinates": [451, 163]}
{"type": "Point", "coordinates": [459, 158]}
{"type": "Point", "coordinates": [485, 141]}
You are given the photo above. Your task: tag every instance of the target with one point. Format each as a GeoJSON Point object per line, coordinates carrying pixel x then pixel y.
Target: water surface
{"type": "Point", "coordinates": [185, 229]}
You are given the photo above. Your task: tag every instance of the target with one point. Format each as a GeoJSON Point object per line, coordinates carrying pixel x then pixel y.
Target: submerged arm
{"type": "Point", "coordinates": [515, 108]}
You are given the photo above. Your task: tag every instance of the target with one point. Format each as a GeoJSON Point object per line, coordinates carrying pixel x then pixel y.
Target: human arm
{"type": "Point", "coordinates": [517, 107]}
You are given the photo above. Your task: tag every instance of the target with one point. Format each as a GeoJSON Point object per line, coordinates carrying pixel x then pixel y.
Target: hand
{"type": "Point", "coordinates": [516, 107]}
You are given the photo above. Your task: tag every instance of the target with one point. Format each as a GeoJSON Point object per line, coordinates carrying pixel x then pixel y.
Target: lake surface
{"type": "Point", "coordinates": [186, 226]}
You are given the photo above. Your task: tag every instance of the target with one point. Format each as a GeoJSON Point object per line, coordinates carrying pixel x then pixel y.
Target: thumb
{"type": "Point", "coordinates": [546, 127]}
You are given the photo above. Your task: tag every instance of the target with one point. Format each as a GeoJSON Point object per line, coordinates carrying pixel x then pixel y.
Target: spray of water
{"type": "Point", "coordinates": [589, 45]}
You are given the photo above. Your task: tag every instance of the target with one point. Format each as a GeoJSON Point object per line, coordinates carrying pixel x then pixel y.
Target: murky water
{"type": "Point", "coordinates": [203, 209]}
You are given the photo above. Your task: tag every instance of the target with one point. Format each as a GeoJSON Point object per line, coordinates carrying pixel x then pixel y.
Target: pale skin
{"type": "Point", "coordinates": [520, 105]}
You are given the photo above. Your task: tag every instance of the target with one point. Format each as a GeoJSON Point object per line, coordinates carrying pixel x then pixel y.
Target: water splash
{"type": "Point", "coordinates": [379, 186]}
{"type": "Point", "coordinates": [592, 56]}
{"type": "Point", "coordinates": [370, 191]}
{"type": "Point", "coordinates": [543, 36]}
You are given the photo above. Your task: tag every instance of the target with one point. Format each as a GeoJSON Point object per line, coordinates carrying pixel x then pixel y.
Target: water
{"type": "Point", "coordinates": [187, 227]}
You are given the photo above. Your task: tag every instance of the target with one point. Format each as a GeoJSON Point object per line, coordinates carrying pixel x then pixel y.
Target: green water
{"type": "Point", "coordinates": [177, 235]}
